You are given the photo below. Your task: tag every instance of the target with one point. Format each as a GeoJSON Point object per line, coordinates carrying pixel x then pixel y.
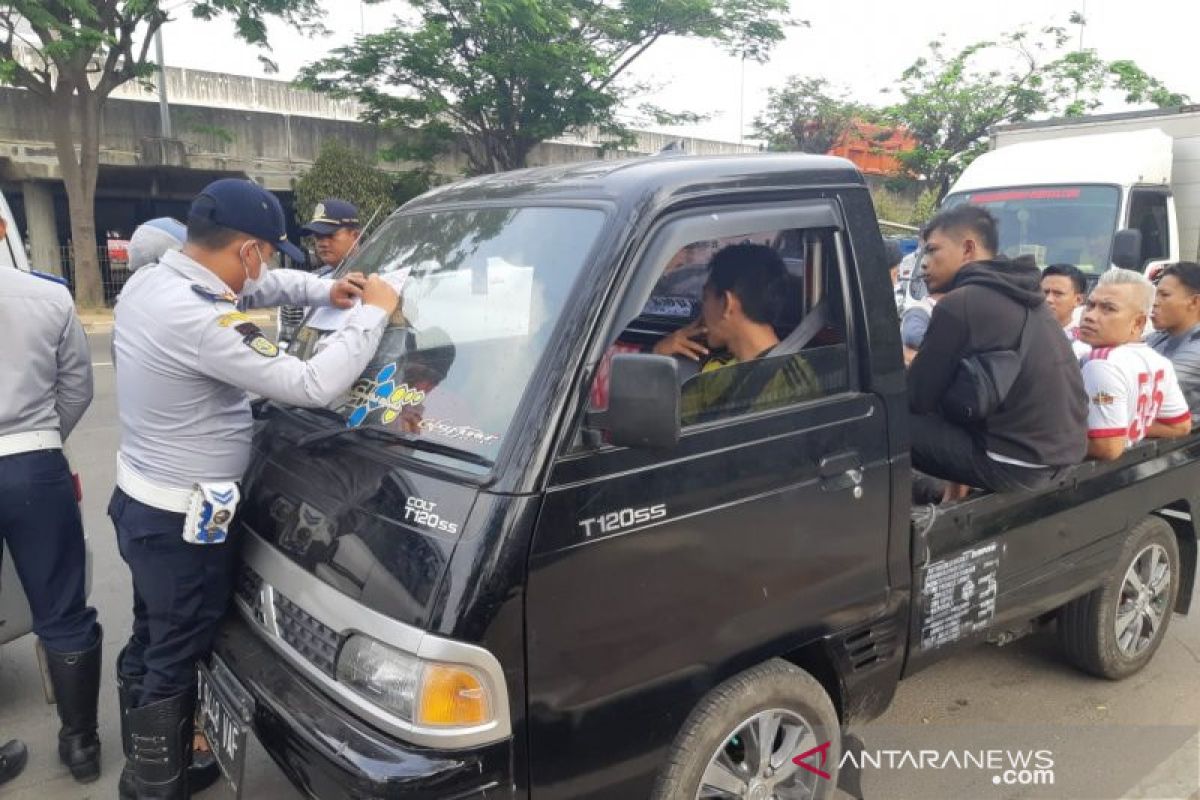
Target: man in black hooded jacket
{"type": "Point", "coordinates": [1041, 426]}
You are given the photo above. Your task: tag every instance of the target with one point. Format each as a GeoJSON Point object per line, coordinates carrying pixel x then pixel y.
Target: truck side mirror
{"type": "Point", "coordinates": [1127, 248]}
{"type": "Point", "coordinates": [643, 402]}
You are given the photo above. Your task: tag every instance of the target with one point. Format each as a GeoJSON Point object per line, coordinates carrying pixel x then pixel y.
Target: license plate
{"type": "Point", "coordinates": [226, 714]}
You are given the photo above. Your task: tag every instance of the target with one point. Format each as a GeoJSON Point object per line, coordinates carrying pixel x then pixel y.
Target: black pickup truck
{"type": "Point", "coordinates": [507, 567]}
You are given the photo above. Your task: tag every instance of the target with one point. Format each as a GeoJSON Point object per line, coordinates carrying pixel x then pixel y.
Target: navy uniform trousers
{"type": "Point", "coordinates": [180, 593]}
{"type": "Point", "coordinates": [42, 532]}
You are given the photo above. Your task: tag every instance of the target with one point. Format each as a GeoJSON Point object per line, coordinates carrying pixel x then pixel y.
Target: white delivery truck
{"type": "Point", "coordinates": [1062, 189]}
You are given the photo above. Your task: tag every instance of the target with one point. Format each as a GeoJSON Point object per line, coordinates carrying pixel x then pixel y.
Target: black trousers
{"type": "Point", "coordinates": [42, 531]}
{"type": "Point", "coordinates": [180, 593]}
{"type": "Point", "coordinates": [953, 453]}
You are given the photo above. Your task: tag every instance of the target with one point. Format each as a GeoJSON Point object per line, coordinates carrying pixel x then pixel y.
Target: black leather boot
{"type": "Point", "coordinates": [76, 680]}
{"type": "Point", "coordinates": [12, 759]}
{"type": "Point", "coordinates": [126, 685]}
{"type": "Point", "coordinates": [203, 771]}
{"type": "Point", "coordinates": [161, 735]}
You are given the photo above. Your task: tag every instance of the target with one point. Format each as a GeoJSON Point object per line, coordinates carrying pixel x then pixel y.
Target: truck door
{"type": "Point", "coordinates": [1152, 211]}
{"type": "Point", "coordinates": [655, 575]}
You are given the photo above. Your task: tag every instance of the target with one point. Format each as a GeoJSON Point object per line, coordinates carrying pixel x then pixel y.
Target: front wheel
{"type": "Point", "coordinates": [1114, 631]}
{"type": "Point", "coordinates": [743, 739]}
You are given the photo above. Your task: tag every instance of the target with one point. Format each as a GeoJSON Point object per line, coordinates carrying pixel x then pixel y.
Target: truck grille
{"type": "Point", "coordinates": [312, 639]}
{"type": "Point", "coordinates": [249, 589]}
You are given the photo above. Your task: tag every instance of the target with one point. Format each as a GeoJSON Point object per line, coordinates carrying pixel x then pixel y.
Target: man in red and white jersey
{"type": "Point", "coordinates": [1132, 390]}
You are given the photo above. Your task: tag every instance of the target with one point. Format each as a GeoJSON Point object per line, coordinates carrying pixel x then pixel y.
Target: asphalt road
{"type": "Point", "coordinates": [23, 710]}
{"type": "Point", "coordinates": [1102, 737]}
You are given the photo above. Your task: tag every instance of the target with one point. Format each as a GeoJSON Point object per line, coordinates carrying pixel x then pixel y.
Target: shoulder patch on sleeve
{"type": "Point", "coordinates": [261, 345]}
{"type": "Point", "coordinates": [248, 329]}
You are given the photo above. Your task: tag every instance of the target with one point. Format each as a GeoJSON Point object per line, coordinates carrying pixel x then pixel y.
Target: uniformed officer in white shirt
{"type": "Point", "coordinates": [186, 360]}
{"type": "Point", "coordinates": [336, 230]}
{"type": "Point", "coordinates": [47, 385]}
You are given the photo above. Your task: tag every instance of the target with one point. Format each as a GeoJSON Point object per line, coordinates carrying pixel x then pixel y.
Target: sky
{"type": "Point", "coordinates": [862, 45]}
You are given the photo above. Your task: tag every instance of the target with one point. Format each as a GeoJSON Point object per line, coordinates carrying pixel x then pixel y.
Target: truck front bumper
{"type": "Point", "coordinates": [329, 753]}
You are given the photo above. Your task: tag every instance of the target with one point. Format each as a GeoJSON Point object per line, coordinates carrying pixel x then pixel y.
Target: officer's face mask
{"type": "Point", "coordinates": [253, 283]}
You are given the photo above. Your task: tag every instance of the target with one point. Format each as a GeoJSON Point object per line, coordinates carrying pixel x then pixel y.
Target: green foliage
{"type": "Point", "coordinates": [949, 102]}
{"type": "Point", "coordinates": [925, 207]}
{"type": "Point", "coordinates": [497, 77]}
{"type": "Point", "coordinates": [74, 39]}
{"type": "Point", "coordinates": [342, 172]}
{"type": "Point", "coordinates": [808, 115]}
{"type": "Point", "coordinates": [903, 208]}
{"type": "Point", "coordinates": [892, 207]}
{"type": "Point", "coordinates": [73, 53]}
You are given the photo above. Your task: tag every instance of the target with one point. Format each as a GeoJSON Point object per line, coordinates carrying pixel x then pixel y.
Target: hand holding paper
{"type": "Point", "coordinates": [386, 284]}
{"type": "Point", "coordinates": [382, 293]}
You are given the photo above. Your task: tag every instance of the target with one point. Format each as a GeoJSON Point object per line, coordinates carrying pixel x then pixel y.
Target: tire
{"type": "Point", "coordinates": [1088, 627]}
{"type": "Point", "coordinates": [722, 730]}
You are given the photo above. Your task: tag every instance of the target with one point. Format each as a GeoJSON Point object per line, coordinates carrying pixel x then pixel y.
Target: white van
{"type": "Point", "coordinates": [1062, 188]}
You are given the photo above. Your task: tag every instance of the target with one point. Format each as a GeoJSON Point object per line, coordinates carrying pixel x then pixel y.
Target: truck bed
{"type": "Point", "coordinates": [991, 564]}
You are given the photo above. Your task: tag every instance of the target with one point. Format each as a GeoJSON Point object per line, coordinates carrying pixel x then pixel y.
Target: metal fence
{"type": "Point", "coordinates": [114, 270]}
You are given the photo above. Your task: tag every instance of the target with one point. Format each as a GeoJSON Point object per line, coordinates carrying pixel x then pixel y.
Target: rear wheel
{"type": "Point", "coordinates": [742, 740]}
{"type": "Point", "coordinates": [1114, 631]}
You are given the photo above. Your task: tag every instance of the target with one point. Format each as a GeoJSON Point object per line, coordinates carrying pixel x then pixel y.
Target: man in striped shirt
{"type": "Point", "coordinates": [1132, 391]}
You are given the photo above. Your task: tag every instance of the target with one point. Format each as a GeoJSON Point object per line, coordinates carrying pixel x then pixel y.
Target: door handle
{"type": "Point", "coordinates": [841, 471]}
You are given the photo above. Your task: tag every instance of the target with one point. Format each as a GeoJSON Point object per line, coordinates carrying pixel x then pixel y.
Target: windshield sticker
{"type": "Point", "coordinates": [463, 433]}
{"type": "Point", "coordinates": [382, 391]}
{"type": "Point", "coordinates": [424, 513]}
{"type": "Point", "coordinates": [959, 596]}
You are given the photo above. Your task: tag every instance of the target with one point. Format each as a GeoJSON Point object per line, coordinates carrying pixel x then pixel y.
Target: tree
{"type": "Point", "coordinates": [72, 54]}
{"type": "Point", "coordinates": [497, 77]}
{"type": "Point", "coordinates": [341, 172]}
{"type": "Point", "coordinates": [808, 115]}
{"type": "Point", "coordinates": [950, 102]}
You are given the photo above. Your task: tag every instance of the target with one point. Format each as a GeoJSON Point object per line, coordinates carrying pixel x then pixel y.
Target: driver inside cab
{"type": "Point", "coordinates": [734, 336]}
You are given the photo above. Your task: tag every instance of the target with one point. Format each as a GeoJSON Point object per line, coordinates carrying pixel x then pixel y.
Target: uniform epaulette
{"type": "Point", "coordinates": [216, 297]}
{"type": "Point", "coordinates": [46, 276]}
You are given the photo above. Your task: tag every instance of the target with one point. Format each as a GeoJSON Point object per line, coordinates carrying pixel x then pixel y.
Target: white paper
{"type": "Point", "coordinates": [330, 318]}
{"type": "Point", "coordinates": [496, 303]}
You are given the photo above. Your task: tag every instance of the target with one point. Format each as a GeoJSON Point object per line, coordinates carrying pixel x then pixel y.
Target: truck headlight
{"type": "Point", "coordinates": [421, 692]}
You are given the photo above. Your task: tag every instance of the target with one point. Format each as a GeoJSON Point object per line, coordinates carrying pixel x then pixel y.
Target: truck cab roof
{"type": "Point", "coordinates": [1122, 159]}
{"type": "Point", "coordinates": [632, 179]}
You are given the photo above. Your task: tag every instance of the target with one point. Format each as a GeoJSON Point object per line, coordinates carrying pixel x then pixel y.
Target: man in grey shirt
{"type": "Point", "coordinates": [47, 386]}
{"type": "Point", "coordinates": [186, 360]}
{"type": "Point", "coordinates": [1176, 318]}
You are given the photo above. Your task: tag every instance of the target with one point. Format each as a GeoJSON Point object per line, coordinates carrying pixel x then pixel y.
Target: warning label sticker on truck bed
{"type": "Point", "coordinates": [958, 597]}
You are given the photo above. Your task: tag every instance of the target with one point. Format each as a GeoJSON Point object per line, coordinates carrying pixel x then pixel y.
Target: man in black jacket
{"type": "Point", "coordinates": [1041, 425]}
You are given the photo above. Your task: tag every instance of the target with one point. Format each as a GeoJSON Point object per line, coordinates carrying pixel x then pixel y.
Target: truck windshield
{"type": "Point", "coordinates": [484, 292]}
{"type": "Point", "coordinates": [1054, 224]}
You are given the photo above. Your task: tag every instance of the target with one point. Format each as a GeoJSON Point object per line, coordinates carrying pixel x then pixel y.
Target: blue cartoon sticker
{"type": "Point", "coordinates": [382, 391]}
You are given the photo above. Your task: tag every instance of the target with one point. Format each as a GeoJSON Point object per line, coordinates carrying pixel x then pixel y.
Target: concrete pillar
{"type": "Point", "coordinates": [43, 228]}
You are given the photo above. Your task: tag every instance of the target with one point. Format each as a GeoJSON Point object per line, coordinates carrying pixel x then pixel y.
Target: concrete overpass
{"type": "Point", "coordinates": [222, 125]}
